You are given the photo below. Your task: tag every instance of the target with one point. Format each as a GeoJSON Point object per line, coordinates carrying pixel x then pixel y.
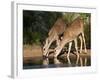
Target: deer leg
{"type": "Point", "coordinates": [76, 47]}
{"type": "Point", "coordinates": [57, 41]}
{"type": "Point", "coordinates": [81, 43]}
{"type": "Point", "coordinates": [46, 53]}
{"type": "Point", "coordinates": [46, 43]}
{"type": "Point", "coordinates": [81, 46]}
{"type": "Point", "coordinates": [59, 48]}
{"type": "Point", "coordinates": [49, 46]}
{"type": "Point", "coordinates": [57, 51]}
{"type": "Point", "coordinates": [84, 43]}
{"type": "Point", "coordinates": [45, 46]}
{"type": "Point", "coordinates": [84, 48]}
{"type": "Point", "coordinates": [70, 44]}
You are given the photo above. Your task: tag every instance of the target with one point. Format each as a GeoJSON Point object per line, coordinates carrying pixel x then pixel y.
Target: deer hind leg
{"type": "Point", "coordinates": [81, 43]}
{"type": "Point", "coordinates": [69, 49]}
{"type": "Point", "coordinates": [76, 47]}
{"type": "Point", "coordinates": [84, 42]}
{"type": "Point", "coordinates": [84, 47]}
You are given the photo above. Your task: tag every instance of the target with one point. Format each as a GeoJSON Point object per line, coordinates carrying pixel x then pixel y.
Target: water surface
{"type": "Point", "coordinates": [40, 62]}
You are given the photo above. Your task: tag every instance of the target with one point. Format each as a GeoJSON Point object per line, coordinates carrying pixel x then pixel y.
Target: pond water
{"type": "Point", "coordinates": [40, 62]}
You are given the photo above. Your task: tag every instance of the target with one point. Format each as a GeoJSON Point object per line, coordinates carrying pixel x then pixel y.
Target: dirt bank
{"type": "Point", "coordinates": [36, 51]}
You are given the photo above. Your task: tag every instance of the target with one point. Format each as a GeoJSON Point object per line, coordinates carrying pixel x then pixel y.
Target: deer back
{"type": "Point", "coordinates": [58, 27]}
{"type": "Point", "coordinates": [74, 29]}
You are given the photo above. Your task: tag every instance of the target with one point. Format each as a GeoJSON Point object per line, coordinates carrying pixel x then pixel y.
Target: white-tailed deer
{"type": "Point", "coordinates": [53, 35]}
{"type": "Point", "coordinates": [71, 33]}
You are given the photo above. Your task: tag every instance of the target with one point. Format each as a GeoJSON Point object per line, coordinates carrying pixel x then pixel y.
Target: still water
{"type": "Point", "coordinates": [40, 62]}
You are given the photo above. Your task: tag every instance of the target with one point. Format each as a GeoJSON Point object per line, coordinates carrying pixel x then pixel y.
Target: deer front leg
{"type": "Point", "coordinates": [57, 51]}
{"type": "Point", "coordinates": [46, 49]}
{"type": "Point", "coordinates": [59, 48]}
{"type": "Point", "coordinates": [57, 42]}
{"type": "Point", "coordinates": [46, 43]}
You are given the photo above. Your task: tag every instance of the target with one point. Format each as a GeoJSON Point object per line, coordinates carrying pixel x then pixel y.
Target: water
{"type": "Point", "coordinates": [40, 62]}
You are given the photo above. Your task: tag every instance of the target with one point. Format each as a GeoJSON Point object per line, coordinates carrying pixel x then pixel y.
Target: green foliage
{"type": "Point", "coordinates": [36, 25]}
{"type": "Point", "coordinates": [70, 16]}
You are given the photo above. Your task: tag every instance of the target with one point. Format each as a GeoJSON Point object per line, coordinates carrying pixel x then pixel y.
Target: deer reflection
{"type": "Point", "coordinates": [45, 62]}
{"type": "Point", "coordinates": [62, 61]}
{"type": "Point", "coordinates": [56, 62]}
{"type": "Point", "coordinates": [59, 62]}
{"type": "Point", "coordinates": [83, 61]}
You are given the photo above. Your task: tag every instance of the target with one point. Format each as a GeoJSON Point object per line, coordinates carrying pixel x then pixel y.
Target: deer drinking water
{"type": "Point", "coordinates": [71, 33]}
{"type": "Point", "coordinates": [53, 35]}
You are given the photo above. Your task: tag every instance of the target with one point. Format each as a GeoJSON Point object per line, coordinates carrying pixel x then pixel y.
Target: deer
{"type": "Point", "coordinates": [53, 35]}
{"type": "Point", "coordinates": [71, 33]}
